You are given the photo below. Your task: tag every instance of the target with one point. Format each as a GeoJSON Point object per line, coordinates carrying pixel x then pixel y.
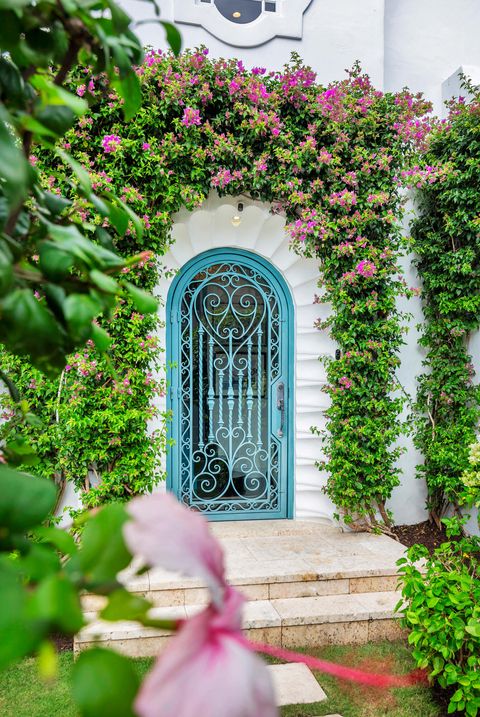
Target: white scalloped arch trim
{"type": "Point", "coordinates": [263, 233]}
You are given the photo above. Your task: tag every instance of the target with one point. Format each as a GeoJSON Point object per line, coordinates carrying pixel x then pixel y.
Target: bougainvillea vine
{"type": "Point", "coordinates": [446, 239]}
{"type": "Point", "coordinates": [331, 160]}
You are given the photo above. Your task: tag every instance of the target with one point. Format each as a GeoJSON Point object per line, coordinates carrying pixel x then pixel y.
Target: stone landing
{"type": "Point", "coordinates": [308, 585]}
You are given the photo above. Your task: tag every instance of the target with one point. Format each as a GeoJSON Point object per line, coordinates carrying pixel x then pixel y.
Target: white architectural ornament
{"type": "Point", "coordinates": [244, 23]}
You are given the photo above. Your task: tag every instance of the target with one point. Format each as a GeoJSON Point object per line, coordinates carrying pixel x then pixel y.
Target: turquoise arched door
{"type": "Point", "coordinates": [230, 356]}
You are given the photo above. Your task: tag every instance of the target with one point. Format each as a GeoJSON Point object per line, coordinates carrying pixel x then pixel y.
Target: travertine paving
{"type": "Point", "coordinates": [295, 684]}
{"type": "Point", "coordinates": [308, 585]}
{"type": "Point", "coordinates": [296, 551]}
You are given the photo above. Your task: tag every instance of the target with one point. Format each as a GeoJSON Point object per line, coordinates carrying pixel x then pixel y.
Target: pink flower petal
{"type": "Point", "coordinates": [207, 672]}
{"type": "Point", "coordinates": [169, 535]}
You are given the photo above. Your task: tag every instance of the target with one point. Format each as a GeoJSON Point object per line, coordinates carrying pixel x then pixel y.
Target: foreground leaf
{"type": "Point", "coordinates": [25, 500]}
{"type": "Point", "coordinates": [104, 683]}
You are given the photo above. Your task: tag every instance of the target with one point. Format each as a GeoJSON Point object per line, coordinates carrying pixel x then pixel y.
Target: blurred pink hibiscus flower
{"type": "Point", "coordinates": [207, 669]}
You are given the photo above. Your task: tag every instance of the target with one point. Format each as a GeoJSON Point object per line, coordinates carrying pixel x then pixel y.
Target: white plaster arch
{"type": "Point", "coordinates": [261, 232]}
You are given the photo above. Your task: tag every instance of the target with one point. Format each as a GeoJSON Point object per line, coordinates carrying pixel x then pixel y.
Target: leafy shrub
{"type": "Point", "coordinates": [469, 489]}
{"type": "Point", "coordinates": [441, 607]}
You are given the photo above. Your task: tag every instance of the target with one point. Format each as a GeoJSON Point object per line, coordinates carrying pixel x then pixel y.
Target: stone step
{"type": "Point", "coordinates": [354, 618]}
{"type": "Point", "coordinates": [255, 588]}
{"type": "Point", "coordinates": [295, 684]}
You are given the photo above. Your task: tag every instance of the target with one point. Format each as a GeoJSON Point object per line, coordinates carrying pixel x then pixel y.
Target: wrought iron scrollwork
{"type": "Point", "coordinates": [229, 356]}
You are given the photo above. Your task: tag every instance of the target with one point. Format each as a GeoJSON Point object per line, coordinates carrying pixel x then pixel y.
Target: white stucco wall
{"type": "Point", "coordinates": [335, 35]}
{"type": "Point", "coordinates": [414, 43]}
{"type": "Point", "coordinates": [408, 501]}
{"type": "Point", "coordinates": [427, 40]}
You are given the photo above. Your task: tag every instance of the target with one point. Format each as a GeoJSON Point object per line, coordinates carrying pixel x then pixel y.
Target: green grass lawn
{"type": "Point", "coordinates": [23, 694]}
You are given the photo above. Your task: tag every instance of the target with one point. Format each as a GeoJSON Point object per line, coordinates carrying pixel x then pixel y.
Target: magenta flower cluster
{"type": "Point", "coordinates": [191, 117]}
{"type": "Point", "coordinates": [366, 268]}
{"type": "Point", "coordinates": [110, 143]}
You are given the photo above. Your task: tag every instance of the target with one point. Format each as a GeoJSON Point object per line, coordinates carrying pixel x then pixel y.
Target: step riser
{"type": "Point", "coordinates": [290, 637]}
{"type": "Point", "coordinates": [262, 591]}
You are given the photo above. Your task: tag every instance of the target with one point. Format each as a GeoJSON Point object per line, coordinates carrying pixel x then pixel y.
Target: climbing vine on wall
{"type": "Point", "coordinates": [329, 159]}
{"type": "Point", "coordinates": [95, 418]}
{"type": "Point", "coordinates": [446, 238]}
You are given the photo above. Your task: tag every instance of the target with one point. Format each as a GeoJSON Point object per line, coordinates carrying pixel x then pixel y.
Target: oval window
{"type": "Point", "coordinates": [240, 11]}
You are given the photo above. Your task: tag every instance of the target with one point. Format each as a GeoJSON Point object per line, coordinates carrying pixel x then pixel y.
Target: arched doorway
{"type": "Point", "coordinates": [230, 352]}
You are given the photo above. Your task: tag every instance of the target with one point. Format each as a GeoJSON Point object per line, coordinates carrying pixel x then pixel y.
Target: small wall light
{"type": "Point", "coordinates": [236, 219]}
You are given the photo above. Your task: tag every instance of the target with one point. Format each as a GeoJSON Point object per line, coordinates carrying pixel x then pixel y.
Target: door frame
{"type": "Point", "coordinates": [175, 294]}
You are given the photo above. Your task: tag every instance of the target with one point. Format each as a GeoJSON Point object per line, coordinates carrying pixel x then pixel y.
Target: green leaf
{"type": "Point", "coordinates": [11, 82]}
{"type": "Point", "coordinates": [13, 4]}
{"type": "Point", "coordinates": [18, 636]}
{"type": "Point", "coordinates": [103, 552]}
{"type": "Point", "coordinates": [28, 328]}
{"type": "Point", "coordinates": [60, 539]}
{"type": "Point", "coordinates": [118, 217]}
{"type": "Point", "coordinates": [52, 94]}
{"type": "Point", "coordinates": [144, 302]}
{"type": "Point", "coordinates": [118, 204]}
{"type": "Point", "coordinates": [54, 203]}
{"type": "Point", "coordinates": [128, 87]}
{"type": "Point", "coordinates": [123, 605]}
{"type": "Point", "coordinates": [6, 271]}
{"type": "Point", "coordinates": [473, 628]}
{"type": "Point", "coordinates": [14, 171]}
{"type": "Point", "coordinates": [47, 661]}
{"type": "Point", "coordinates": [104, 282]}
{"type": "Point", "coordinates": [57, 603]}
{"type": "Point", "coordinates": [10, 26]}
{"type": "Point", "coordinates": [55, 263]}
{"type": "Point", "coordinates": [72, 241]}
{"type": "Point", "coordinates": [173, 36]}
{"type": "Point", "coordinates": [100, 338]}
{"type": "Point", "coordinates": [104, 683]}
{"type": "Point", "coordinates": [19, 452]}
{"type": "Point", "coordinates": [80, 310]}
{"type": "Point", "coordinates": [25, 500]}
{"type": "Point", "coordinates": [33, 420]}
{"type": "Point", "coordinates": [81, 173]}
{"type": "Point", "coordinates": [57, 118]}
{"type": "Point", "coordinates": [39, 562]}
{"type": "Point", "coordinates": [121, 21]}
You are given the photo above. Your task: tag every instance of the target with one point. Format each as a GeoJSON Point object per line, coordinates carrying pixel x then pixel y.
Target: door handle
{"type": "Point", "coordinates": [281, 407]}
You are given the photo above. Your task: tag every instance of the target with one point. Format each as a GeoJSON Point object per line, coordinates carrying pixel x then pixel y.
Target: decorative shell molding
{"type": "Point", "coordinates": [286, 21]}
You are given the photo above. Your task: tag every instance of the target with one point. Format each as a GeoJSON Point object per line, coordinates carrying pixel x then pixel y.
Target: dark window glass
{"type": "Point", "coordinates": [240, 11]}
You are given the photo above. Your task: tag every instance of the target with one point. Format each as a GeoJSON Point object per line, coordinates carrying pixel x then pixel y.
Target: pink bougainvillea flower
{"type": "Point", "coordinates": [366, 268]}
{"type": "Point", "coordinates": [110, 143]}
{"type": "Point", "coordinates": [208, 671]}
{"type": "Point", "coordinates": [191, 117]}
{"type": "Point", "coordinates": [208, 653]}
